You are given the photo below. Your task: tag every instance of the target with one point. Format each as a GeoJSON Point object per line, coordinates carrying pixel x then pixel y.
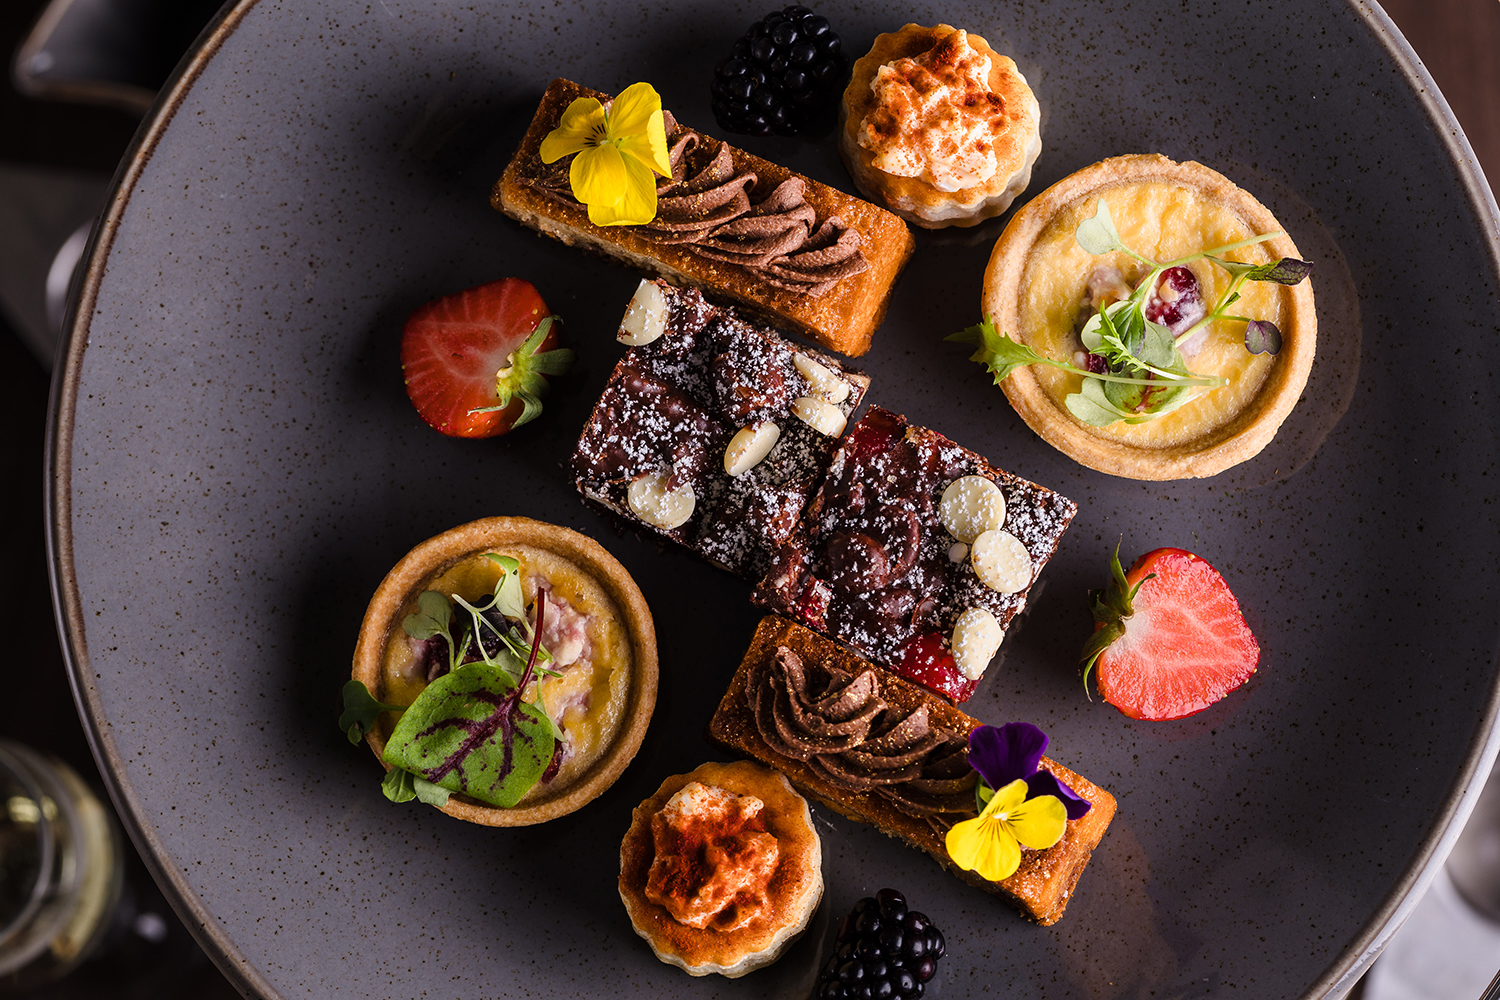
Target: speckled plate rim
{"type": "Point", "coordinates": [1338, 978]}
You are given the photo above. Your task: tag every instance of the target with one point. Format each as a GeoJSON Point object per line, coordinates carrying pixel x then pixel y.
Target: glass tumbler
{"type": "Point", "coordinates": [61, 868]}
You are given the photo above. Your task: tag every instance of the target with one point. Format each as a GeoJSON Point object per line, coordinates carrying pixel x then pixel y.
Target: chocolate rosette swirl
{"type": "Point", "coordinates": [839, 725]}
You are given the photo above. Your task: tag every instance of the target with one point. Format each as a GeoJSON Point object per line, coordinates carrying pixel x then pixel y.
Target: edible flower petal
{"type": "Point", "coordinates": [1003, 754]}
{"type": "Point", "coordinates": [1046, 783]}
{"type": "Point", "coordinates": [990, 844]}
{"type": "Point", "coordinates": [616, 154]}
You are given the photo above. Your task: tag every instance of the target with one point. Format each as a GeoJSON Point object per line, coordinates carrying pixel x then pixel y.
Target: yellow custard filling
{"type": "Point", "coordinates": [588, 697]}
{"type": "Point", "coordinates": [1161, 221]}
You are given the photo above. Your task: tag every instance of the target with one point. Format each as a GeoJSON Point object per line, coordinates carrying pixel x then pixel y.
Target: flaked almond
{"type": "Point", "coordinates": [749, 445]}
{"type": "Point", "coordinates": [976, 639]}
{"type": "Point", "coordinates": [653, 503]}
{"type": "Point", "coordinates": [825, 384]}
{"type": "Point", "coordinates": [1001, 562]}
{"type": "Point", "coordinates": [972, 505]}
{"type": "Point", "coordinates": [646, 316]}
{"type": "Point", "coordinates": [819, 414]}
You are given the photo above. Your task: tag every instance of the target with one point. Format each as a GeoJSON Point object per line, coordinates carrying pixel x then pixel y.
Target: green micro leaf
{"type": "Point", "coordinates": [1262, 337]}
{"type": "Point", "coordinates": [996, 350]}
{"type": "Point", "coordinates": [431, 618]}
{"type": "Point", "coordinates": [509, 600]}
{"type": "Point", "coordinates": [433, 795]}
{"type": "Point", "coordinates": [361, 710]}
{"type": "Point", "coordinates": [1098, 234]}
{"type": "Point", "coordinates": [399, 785]}
{"type": "Point", "coordinates": [1092, 406]}
{"type": "Point", "coordinates": [469, 731]}
{"type": "Point", "coordinates": [1158, 347]}
{"type": "Point", "coordinates": [1286, 271]}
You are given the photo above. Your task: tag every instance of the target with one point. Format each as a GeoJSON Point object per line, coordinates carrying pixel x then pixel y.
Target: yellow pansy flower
{"type": "Point", "coordinates": [990, 843]}
{"type": "Point", "coordinates": [619, 152]}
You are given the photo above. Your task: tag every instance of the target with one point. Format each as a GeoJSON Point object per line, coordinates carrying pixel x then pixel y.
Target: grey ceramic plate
{"type": "Point", "coordinates": [235, 466]}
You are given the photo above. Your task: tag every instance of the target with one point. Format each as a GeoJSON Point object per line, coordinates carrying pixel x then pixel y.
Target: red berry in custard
{"type": "Point", "coordinates": [1177, 301]}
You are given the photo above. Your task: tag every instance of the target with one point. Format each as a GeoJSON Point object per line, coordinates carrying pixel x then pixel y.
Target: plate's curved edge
{"type": "Point", "coordinates": [1352, 963]}
{"type": "Point", "coordinates": [1341, 974]}
{"type": "Point", "coordinates": [57, 480]}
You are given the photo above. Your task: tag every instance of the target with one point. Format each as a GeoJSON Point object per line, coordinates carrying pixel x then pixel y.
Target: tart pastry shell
{"type": "Point", "coordinates": [912, 198]}
{"type": "Point", "coordinates": [396, 597]}
{"type": "Point", "coordinates": [795, 889]}
{"type": "Point", "coordinates": [1235, 441]}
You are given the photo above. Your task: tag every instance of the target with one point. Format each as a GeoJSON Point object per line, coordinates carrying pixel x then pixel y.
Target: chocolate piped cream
{"type": "Point", "coordinates": [706, 206]}
{"type": "Point", "coordinates": [840, 726]}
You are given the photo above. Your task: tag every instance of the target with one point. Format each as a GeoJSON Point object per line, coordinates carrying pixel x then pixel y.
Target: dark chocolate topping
{"type": "Point", "coordinates": [711, 208]}
{"type": "Point", "coordinates": [838, 723]}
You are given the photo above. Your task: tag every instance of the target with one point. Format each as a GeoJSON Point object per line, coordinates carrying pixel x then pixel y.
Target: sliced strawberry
{"type": "Point", "coordinates": [928, 662]}
{"type": "Point", "coordinates": [1169, 638]}
{"type": "Point", "coordinates": [474, 361]}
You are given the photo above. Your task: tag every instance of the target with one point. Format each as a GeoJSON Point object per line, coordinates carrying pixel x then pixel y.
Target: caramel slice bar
{"type": "Point", "coordinates": [874, 564]}
{"type": "Point", "coordinates": [869, 745]}
{"type": "Point", "coordinates": [784, 248]}
{"type": "Point", "coordinates": [712, 431]}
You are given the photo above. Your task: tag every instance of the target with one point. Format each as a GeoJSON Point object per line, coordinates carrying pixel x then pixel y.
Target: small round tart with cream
{"type": "Point", "coordinates": [939, 127]}
{"type": "Point", "coordinates": [505, 672]}
{"type": "Point", "coordinates": [721, 869]}
{"type": "Point", "coordinates": [1148, 318]}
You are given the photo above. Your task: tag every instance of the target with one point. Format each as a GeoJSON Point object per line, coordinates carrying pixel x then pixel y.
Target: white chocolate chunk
{"type": "Point", "coordinates": [653, 503]}
{"type": "Point", "coordinates": [972, 505]}
{"type": "Point", "coordinates": [958, 552]}
{"type": "Point", "coordinates": [646, 316]}
{"type": "Point", "coordinates": [825, 384]}
{"type": "Point", "coordinates": [749, 446]}
{"type": "Point", "coordinates": [976, 639]}
{"type": "Point", "coordinates": [821, 415]}
{"type": "Point", "coordinates": [1001, 562]}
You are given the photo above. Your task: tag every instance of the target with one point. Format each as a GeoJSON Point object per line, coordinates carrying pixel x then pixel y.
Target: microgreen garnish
{"type": "Point", "coordinates": [471, 729]}
{"type": "Point", "coordinates": [1135, 367]}
{"type": "Point", "coordinates": [361, 710]}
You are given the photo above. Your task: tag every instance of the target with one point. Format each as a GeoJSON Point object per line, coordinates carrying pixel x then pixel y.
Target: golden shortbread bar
{"type": "Point", "coordinates": [842, 317]}
{"type": "Point", "coordinates": [1045, 881]}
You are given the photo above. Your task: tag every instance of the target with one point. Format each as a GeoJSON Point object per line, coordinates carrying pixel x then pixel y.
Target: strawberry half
{"type": "Point", "coordinates": [1169, 639]}
{"type": "Point", "coordinates": [475, 362]}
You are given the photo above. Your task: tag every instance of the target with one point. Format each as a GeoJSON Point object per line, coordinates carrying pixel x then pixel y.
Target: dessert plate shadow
{"type": "Point", "coordinates": [234, 467]}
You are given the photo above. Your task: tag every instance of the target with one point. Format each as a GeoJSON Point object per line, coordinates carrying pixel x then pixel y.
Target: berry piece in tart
{"type": "Point", "coordinates": [917, 552]}
{"type": "Point", "coordinates": [1169, 638]}
{"type": "Point", "coordinates": [475, 363]}
{"type": "Point", "coordinates": [505, 672]}
{"type": "Point", "coordinates": [780, 76]}
{"type": "Point", "coordinates": [883, 945]}
{"type": "Point", "coordinates": [882, 751]}
{"type": "Point", "coordinates": [1148, 318]}
{"type": "Point", "coordinates": [721, 869]}
{"type": "Point", "coordinates": [939, 127]}
{"type": "Point", "coordinates": [712, 431]}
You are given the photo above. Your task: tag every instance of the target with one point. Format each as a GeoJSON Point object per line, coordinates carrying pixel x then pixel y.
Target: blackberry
{"type": "Point", "coordinates": [883, 950]}
{"type": "Point", "coordinates": [780, 76]}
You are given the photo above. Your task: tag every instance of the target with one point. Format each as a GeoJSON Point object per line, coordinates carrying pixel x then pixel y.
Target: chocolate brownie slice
{"type": "Point", "coordinates": [712, 431]}
{"type": "Point", "coordinates": [917, 552]}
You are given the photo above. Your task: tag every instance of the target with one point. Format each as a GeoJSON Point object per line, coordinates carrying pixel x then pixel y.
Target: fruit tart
{"type": "Point", "coordinates": [939, 127]}
{"type": "Point", "coordinates": [721, 869]}
{"type": "Point", "coordinates": [1148, 318]}
{"type": "Point", "coordinates": [505, 672]}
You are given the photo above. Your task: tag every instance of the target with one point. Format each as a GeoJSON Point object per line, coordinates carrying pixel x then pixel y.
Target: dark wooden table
{"type": "Point", "coordinates": [1458, 40]}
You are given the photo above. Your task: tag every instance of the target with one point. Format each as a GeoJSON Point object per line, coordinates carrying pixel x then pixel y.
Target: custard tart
{"type": "Point", "coordinates": [599, 676]}
{"type": "Point", "coordinates": [1042, 287]}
